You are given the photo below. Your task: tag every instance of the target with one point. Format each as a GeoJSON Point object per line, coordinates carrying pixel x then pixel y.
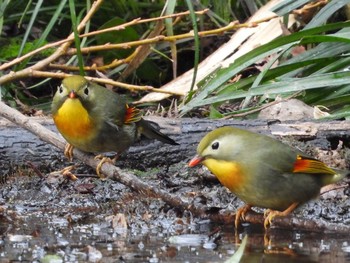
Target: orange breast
{"type": "Point", "coordinates": [73, 121]}
{"type": "Point", "coordinates": [230, 174]}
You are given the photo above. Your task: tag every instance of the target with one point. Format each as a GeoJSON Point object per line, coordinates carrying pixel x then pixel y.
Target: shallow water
{"type": "Point", "coordinates": [90, 220]}
{"type": "Point", "coordinates": [46, 237]}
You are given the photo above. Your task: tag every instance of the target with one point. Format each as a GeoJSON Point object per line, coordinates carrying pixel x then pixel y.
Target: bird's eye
{"type": "Point", "coordinates": [60, 89]}
{"type": "Point", "coordinates": [215, 146]}
{"type": "Point", "coordinates": [86, 91]}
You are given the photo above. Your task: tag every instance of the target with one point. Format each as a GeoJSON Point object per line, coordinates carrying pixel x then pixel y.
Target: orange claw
{"type": "Point", "coordinates": [68, 151]}
{"type": "Point", "coordinates": [104, 160]}
{"type": "Point", "coordinates": [66, 173]}
{"type": "Point", "coordinates": [240, 214]}
{"type": "Point", "coordinates": [270, 214]}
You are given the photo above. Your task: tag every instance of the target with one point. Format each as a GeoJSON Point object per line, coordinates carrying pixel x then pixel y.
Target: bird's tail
{"type": "Point", "coordinates": [340, 175]}
{"type": "Point", "coordinates": [151, 131]}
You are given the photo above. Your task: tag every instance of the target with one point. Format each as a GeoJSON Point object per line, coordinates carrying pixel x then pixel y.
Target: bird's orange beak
{"type": "Point", "coordinates": [72, 95]}
{"type": "Point", "coordinates": [195, 161]}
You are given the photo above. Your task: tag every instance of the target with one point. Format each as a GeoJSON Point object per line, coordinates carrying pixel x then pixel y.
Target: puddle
{"type": "Point", "coordinates": [40, 237]}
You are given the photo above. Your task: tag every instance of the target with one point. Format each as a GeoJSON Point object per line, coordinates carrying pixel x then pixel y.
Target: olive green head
{"type": "Point", "coordinates": [74, 87]}
{"type": "Point", "coordinates": [74, 83]}
{"type": "Point", "coordinates": [223, 143]}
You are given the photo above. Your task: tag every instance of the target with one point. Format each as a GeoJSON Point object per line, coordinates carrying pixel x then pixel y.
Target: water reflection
{"type": "Point", "coordinates": [51, 238]}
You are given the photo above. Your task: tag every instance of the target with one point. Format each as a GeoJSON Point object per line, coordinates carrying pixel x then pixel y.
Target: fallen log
{"type": "Point", "coordinates": [18, 145]}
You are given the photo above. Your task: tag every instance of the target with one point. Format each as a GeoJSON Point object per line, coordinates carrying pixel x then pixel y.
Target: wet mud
{"type": "Point", "coordinates": [52, 219]}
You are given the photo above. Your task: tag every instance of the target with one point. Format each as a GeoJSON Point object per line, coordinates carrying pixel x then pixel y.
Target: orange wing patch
{"type": "Point", "coordinates": [132, 114]}
{"type": "Point", "coordinates": [311, 166]}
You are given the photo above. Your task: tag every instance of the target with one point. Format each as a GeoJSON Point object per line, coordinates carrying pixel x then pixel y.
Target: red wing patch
{"type": "Point", "coordinates": [132, 114]}
{"type": "Point", "coordinates": [311, 166]}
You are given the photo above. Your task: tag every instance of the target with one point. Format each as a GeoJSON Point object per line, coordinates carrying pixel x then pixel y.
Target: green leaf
{"type": "Point", "coordinates": [237, 256]}
{"type": "Point", "coordinates": [33, 18]}
{"type": "Point", "coordinates": [221, 75]}
{"type": "Point", "coordinates": [121, 36]}
{"type": "Point", "coordinates": [196, 45]}
{"type": "Point", "coordinates": [74, 20]}
{"type": "Point", "coordinates": [326, 12]}
{"type": "Point", "coordinates": [214, 113]}
{"type": "Point", "coordinates": [287, 85]}
{"type": "Point", "coordinates": [343, 113]}
{"type": "Point", "coordinates": [285, 7]}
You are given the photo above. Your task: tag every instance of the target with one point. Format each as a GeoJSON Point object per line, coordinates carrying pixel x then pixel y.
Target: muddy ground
{"type": "Point", "coordinates": [98, 219]}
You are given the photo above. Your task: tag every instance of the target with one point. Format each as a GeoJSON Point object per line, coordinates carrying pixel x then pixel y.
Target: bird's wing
{"type": "Point", "coordinates": [309, 165]}
{"type": "Point", "coordinates": [132, 114]}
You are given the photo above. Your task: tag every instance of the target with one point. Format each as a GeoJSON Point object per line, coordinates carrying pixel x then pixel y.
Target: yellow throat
{"type": "Point", "coordinates": [229, 173]}
{"type": "Point", "coordinates": [73, 120]}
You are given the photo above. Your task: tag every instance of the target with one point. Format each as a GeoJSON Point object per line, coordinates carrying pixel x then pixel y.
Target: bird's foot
{"type": "Point", "coordinates": [68, 151]}
{"type": "Point", "coordinates": [66, 173]}
{"type": "Point", "coordinates": [240, 214]}
{"type": "Point", "coordinates": [270, 214]}
{"type": "Point", "coordinates": [103, 159]}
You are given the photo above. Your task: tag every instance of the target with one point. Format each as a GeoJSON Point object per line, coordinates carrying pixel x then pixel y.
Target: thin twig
{"type": "Point", "coordinates": [71, 37]}
{"type": "Point", "coordinates": [47, 74]}
{"type": "Point", "coordinates": [138, 21]}
{"type": "Point", "coordinates": [64, 45]}
{"type": "Point", "coordinates": [161, 38]}
{"type": "Point", "coordinates": [35, 169]}
{"type": "Point", "coordinates": [132, 87]}
{"type": "Point", "coordinates": [156, 39]}
{"type": "Point", "coordinates": [61, 50]}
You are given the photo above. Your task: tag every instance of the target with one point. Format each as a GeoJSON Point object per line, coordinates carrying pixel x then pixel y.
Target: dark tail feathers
{"type": "Point", "coordinates": [151, 131]}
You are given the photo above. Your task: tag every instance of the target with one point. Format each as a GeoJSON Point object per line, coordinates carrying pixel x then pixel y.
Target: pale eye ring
{"type": "Point", "coordinates": [215, 145]}
{"type": "Point", "coordinates": [60, 88]}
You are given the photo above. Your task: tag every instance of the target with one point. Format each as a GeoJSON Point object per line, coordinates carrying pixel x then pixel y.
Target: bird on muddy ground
{"type": "Point", "coordinates": [262, 171]}
{"type": "Point", "coordinates": [95, 119]}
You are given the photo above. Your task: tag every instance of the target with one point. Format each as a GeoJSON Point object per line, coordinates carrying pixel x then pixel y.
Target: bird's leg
{"type": "Point", "coordinates": [270, 214]}
{"type": "Point", "coordinates": [104, 159]}
{"type": "Point", "coordinates": [66, 172]}
{"type": "Point", "coordinates": [68, 151]}
{"type": "Point", "coordinates": [240, 214]}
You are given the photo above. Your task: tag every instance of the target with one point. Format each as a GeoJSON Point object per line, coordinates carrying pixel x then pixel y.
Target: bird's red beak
{"type": "Point", "coordinates": [72, 95]}
{"type": "Point", "coordinates": [195, 161]}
